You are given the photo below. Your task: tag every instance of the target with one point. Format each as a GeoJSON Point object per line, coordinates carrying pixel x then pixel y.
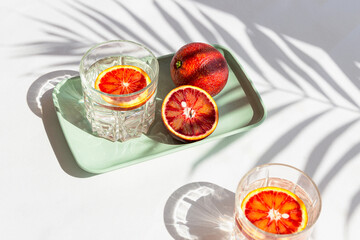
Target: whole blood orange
{"type": "Point", "coordinates": [189, 113]}
{"type": "Point", "coordinates": [201, 65]}
{"type": "Point", "coordinates": [275, 210]}
{"type": "Point", "coordinates": [123, 80]}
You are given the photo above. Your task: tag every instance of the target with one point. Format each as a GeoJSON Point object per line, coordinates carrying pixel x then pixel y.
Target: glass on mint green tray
{"type": "Point", "coordinates": [119, 117]}
{"type": "Point", "coordinates": [240, 109]}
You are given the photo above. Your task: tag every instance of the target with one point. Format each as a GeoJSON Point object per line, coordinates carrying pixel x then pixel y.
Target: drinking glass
{"type": "Point", "coordinates": [107, 120]}
{"type": "Point", "coordinates": [282, 176]}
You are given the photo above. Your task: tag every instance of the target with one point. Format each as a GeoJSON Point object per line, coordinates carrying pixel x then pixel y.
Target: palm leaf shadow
{"type": "Point", "coordinates": [71, 42]}
{"type": "Point", "coordinates": [255, 36]}
{"type": "Point", "coordinates": [94, 18]}
{"type": "Point", "coordinates": [322, 72]}
{"type": "Point", "coordinates": [278, 55]}
{"type": "Point", "coordinates": [354, 204]}
{"type": "Point", "coordinates": [117, 24]}
{"type": "Point", "coordinates": [52, 48]}
{"type": "Point", "coordinates": [58, 27]}
{"type": "Point", "coordinates": [174, 23]}
{"type": "Point", "coordinates": [345, 159]}
{"type": "Point", "coordinates": [244, 15]}
{"type": "Point", "coordinates": [82, 23]}
{"type": "Point", "coordinates": [58, 35]}
{"type": "Point", "coordinates": [235, 45]}
{"type": "Point", "coordinates": [203, 30]}
{"type": "Point", "coordinates": [68, 42]}
{"type": "Point", "coordinates": [146, 27]}
{"type": "Point", "coordinates": [283, 141]}
{"type": "Point", "coordinates": [258, 38]}
{"type": "Point", "coordinates": [319, 151]}
{"type": "Point", "coordinates": [226, 142]}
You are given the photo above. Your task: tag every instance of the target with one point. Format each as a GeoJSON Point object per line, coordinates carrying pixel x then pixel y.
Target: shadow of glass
{"type": "Point", "coordinates": [40, 101]}
{"type": "Point", "coordinates": [200, 210]}
{"type": "Point", "coordinates": [43, 84]}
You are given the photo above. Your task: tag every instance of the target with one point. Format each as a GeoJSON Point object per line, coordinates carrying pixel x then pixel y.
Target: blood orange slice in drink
{"type": "Point", "coordinates": [189, 113]}
{"type": "Point", "coordinates": [123, 80]}
{"type": "Point", "coordinates": [275, 210]}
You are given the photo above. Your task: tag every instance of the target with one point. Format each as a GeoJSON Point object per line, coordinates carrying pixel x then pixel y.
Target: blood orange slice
{"type": "Point", "coordinates": [275, 210]}
{"type": "Point", "coordinates": [189, 113]}
{"type": "Point", "coordinates": [123, 80]}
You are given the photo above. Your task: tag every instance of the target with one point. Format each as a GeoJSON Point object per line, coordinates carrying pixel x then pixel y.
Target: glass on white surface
{"type": "Point", "coordinates": [281, 176]}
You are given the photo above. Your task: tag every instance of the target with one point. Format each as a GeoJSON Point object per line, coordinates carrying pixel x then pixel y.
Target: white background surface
{"type": "Point", "coordinates": [303, 57]}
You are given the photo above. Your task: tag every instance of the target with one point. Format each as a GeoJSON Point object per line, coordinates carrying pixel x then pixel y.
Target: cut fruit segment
{"type": "Point", "coordinates": [189, 113]}
{"type": "Point", "coordinates": [122, 80]}
{"type": "Point", "coordinates": [275, 210]}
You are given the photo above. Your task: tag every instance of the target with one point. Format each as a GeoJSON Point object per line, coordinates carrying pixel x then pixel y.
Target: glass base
{"type": "Point", "coordinates": [116, 125]}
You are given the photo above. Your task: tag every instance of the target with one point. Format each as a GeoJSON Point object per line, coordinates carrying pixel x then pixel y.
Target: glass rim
{"type": "Point", "coordinates": [81, 68]}
{"type": "Point", "coordinates": [307, 228]}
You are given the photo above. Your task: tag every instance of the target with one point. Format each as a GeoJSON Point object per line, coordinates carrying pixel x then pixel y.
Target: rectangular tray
{"type": "Point", "coordinates": [240, 109]}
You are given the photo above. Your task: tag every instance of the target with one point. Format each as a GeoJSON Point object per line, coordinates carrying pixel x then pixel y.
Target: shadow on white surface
{"type": "Point", "coordinates": [43, 84]}
{"type": "Point", "coordinates": [200, 210]}
{"type": "Point", "coordinates": [40, 101]}
{"type": "Point", "coordinates": [311, 45]}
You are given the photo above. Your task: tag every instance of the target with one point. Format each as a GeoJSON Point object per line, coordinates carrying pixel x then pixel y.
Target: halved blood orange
{"type": "Point", "coordinates": [189, 113]}
{"type": "Point", "coordinates": [275, 210]}
{"type": "Point", "coordinates": [122, 80]}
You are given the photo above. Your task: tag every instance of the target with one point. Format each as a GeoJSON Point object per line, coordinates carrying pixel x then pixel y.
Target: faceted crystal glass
{"type": "Point", "coordinates": [281, 176]}
{"type": "Point", "coordinates": [107, 120]}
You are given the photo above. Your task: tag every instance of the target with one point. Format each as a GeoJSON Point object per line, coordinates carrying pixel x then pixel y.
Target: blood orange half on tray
{"type": "Point", "coordinates": [189, 113]}
{"type": "Point", "coordinates": [275, 210]}
{"type": "Point", "coordinates": [122, 80]}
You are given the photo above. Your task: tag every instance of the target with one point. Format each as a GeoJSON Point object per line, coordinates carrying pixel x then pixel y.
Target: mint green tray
{"type": "Point", "coordinates": [240, 109]}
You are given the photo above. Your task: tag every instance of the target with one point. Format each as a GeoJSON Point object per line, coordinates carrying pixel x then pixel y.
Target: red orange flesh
{"type": "Point", "coordinates": [122, 80]}
{"type": "Point", "coordinates": [189, 113]}
{"type": "Point", "coordinates": [275, 210]}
